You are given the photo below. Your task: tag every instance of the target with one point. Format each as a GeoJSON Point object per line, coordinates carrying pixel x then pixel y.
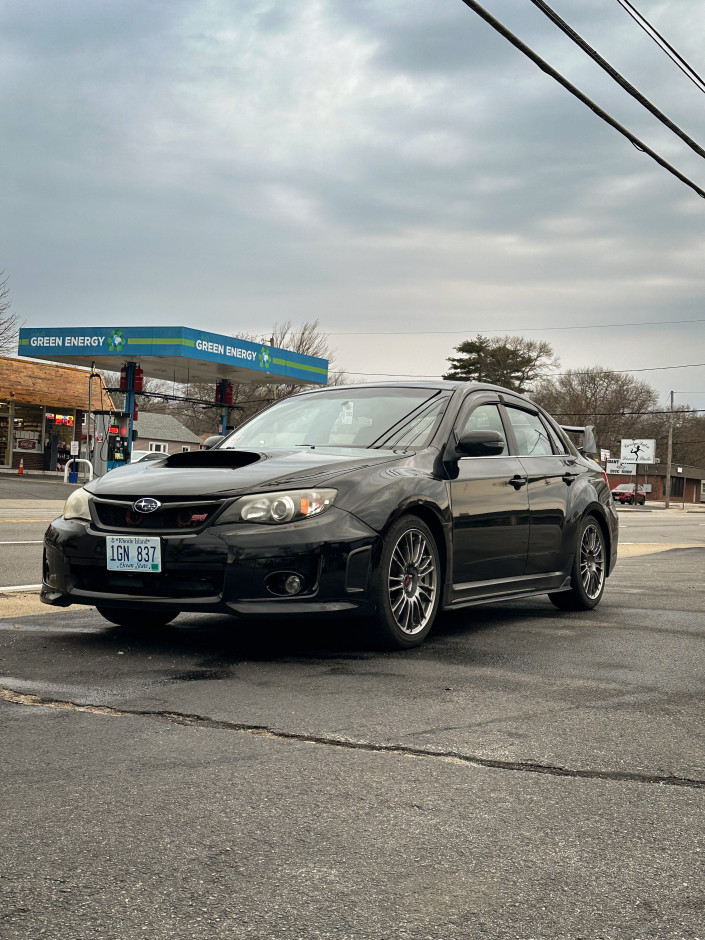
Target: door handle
{"type": "Point", "coordinates": [517, 481]}
{"type": "Point", "coordinates": [569, 477]}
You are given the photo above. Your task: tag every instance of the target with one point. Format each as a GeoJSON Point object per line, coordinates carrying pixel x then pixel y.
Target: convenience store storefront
{"type": "Point", "coordinates": [42, 408]}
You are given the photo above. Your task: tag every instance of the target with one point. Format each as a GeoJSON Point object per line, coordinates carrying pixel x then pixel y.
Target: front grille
{"type": "Point", "coordinates": [194, 581]}
{"type": "Point", "coordinates": [172, 516]}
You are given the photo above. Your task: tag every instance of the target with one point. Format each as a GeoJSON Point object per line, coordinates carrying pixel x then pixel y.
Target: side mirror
{"type": "Point", "coordinates": [212, 441]}
{"type": "Point", "coordinates": [480, 444]}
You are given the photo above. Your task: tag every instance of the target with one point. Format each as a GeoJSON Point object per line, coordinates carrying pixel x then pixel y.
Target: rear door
{"type": "Point", "coordinates": [551, 474]}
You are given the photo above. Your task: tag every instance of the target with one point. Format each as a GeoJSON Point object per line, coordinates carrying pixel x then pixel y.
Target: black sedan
{"type": "Point", "coordinates": [388, 501]}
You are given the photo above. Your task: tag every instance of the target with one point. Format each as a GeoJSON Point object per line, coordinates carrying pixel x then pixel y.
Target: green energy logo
{"type": "Point", "coordinates": [116, 341]}
{"type": "Point", "coordinates": [264, 358]}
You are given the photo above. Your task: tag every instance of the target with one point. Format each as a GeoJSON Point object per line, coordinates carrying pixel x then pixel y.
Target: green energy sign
{"type": "Point", "coordinates": [132, 343]}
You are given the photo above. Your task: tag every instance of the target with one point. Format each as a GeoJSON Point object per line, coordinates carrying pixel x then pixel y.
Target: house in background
{"type": "Point", "coordinates": [163, 434]}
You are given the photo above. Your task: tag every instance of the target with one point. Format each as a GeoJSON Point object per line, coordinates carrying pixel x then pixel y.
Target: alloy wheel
{"type": "Point", "coordinates": [592, 561]}
{"type": "Point", "coordinates": [412, 582]}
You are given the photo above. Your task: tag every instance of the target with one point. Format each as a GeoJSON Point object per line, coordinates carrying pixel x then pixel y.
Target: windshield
{"type": "Point", "coordinates": [365, 417]}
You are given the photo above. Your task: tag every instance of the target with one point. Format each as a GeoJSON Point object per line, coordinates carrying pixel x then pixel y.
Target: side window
{"type": "Point", "coordinates": [558, 444]}
{"type": "Point", "coordinates": [530, 432]}
{"type": "Point", "coordinates": [484, 418]}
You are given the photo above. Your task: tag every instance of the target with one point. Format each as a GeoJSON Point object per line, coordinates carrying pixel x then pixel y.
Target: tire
{"type": "Point", "coordinates": [145, 619]}
{"type": "Point", "coordinates": [588, 572]}
{"type": "Point", "coordinates": [408, 584]}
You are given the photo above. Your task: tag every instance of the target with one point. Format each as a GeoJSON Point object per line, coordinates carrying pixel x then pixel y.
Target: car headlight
{"type": "Point", "coordinates": [76, 506]}
{"type": "Point", "coordinates": [278, 508]}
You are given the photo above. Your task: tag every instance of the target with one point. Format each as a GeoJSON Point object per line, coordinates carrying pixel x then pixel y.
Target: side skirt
{"type": "Point", "coordinates": [485, 592]}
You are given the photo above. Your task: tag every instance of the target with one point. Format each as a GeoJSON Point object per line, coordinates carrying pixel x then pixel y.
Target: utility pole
{"type": "Point", "coordinates": [89, 415]}
{"type": "Point", "coordinates": [669, 456]}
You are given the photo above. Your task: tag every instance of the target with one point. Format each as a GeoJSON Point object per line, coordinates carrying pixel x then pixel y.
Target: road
{"type": "Point", "coordinates": [22, 527]}
{"type": "Point", "coordinates": [527, 773]}
{"type": "Point", "coordinates": [27, 504]}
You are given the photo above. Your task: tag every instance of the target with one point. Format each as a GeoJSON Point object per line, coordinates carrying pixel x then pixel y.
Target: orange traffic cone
{"type": "Point", "coordinates": [20, 469]}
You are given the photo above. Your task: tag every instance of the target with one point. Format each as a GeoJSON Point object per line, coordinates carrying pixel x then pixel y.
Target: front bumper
{"type": "Point", "coordinates": [222, 569]}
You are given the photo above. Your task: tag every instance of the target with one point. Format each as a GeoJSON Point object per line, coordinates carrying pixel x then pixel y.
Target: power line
{"type": "Point", "coordinates": [613, 73]}
{"type": "Point", "coordinates": [672, 54]}
{"type": "Point", "coordinates": [507, 329]}
{"type": "Point", "coordinates": [541, 375]}
{"type": "Point", "coordinates": [595, 108]}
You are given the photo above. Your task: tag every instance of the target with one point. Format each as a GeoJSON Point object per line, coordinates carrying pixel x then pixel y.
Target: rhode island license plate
{"type": "Point", "coordinates": [133, 553]}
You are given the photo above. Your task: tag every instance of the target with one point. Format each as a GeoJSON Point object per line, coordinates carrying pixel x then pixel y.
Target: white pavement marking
{"type": "Point", "coordinates": [34, 542]}
{"type": "Point", "coordinates": [19, 588]}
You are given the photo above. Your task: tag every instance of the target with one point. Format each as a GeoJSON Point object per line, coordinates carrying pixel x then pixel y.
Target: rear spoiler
{"type": "Point", "coordinates": [589, 442]}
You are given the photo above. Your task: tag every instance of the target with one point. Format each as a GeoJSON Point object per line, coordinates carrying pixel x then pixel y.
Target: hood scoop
{"type": "Point", "coordinates": [197, 459]}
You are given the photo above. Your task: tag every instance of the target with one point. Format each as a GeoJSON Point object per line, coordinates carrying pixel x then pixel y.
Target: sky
{"type": "Point", "coordinates": [396, 170]}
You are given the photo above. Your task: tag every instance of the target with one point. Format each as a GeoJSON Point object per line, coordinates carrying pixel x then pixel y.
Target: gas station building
{"type": "Point", "coordinates": [42, 409]}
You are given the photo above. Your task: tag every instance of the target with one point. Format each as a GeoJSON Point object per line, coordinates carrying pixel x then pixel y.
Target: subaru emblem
{"type": "Point", "coordinates": [146, 504]}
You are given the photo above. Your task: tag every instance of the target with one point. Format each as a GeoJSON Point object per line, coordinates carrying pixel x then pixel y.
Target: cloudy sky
{"type": "Point", "coordinates": [393, 168]}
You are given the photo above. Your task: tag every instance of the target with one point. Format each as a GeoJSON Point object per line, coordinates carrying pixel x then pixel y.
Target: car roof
{"type": "Point", "coordinates": [438, 384]}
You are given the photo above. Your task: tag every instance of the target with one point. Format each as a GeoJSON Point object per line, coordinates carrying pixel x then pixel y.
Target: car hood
{"type": "Point", "coordinates": [231, 472]}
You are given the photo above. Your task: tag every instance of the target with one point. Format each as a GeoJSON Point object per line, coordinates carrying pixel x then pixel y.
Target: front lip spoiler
{"type": "Point", "coordinates": [202, 605]}
{"type": "Point", "coordinates": [49, 595]}
{"type": "Point", "coordinates": [275, 608]}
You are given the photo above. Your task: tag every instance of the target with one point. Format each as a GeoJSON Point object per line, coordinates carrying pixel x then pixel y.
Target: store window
{"type": "Point", "coordinates": [58, 434]}
{"type": "Point", "coordinates": [5, 452]}
{"type": "Point", "coordinates": [27, 429]}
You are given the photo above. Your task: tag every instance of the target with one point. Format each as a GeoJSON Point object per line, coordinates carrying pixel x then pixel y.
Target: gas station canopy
{"type": "Point", "coordinates": [176, 353]}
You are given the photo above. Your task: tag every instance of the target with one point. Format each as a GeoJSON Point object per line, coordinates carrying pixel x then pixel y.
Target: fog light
{"type": "Point", "coordinates": [293, 584]}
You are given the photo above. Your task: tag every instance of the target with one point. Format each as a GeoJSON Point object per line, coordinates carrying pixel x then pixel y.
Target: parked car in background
{"type": "Point", "coordinates": [138, 455]}
{"type": "Point", "coordinates": [390, 501]}
{"type": "Point", "coordinates": [624, 493]}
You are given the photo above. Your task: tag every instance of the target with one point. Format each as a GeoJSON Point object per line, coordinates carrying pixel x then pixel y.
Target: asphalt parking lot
{"type": "Point", "coordinates": [526, 773]}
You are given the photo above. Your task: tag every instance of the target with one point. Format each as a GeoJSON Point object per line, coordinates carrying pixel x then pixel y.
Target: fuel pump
{"type": "Point", "coordinates": [224, 398]}
{"type": "Point", "coordinates": [111, 442]}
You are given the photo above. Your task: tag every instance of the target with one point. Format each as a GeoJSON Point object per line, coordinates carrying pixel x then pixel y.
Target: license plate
{"type": "Point", "coordinates": [133, 553]}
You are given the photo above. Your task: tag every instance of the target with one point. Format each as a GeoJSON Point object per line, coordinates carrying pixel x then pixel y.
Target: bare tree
{"type": "Point", "coordinates": [688, 434]}
{"type": "Point", "coordinates": [307, 340]}
{"type": "Point", "coordinates": [618, 405]}
{"type": "Point", "coordinates": [9, 322]}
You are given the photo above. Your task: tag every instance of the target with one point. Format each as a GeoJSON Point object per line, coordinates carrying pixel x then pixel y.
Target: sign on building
{"type": "Point", "coordinates": [638, 451]}
{"type": "Point", "coordinates": [619, 466]}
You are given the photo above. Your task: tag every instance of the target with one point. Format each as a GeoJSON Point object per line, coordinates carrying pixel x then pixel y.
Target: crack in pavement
{"type": "Point", "coordinates": [219, 724]}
